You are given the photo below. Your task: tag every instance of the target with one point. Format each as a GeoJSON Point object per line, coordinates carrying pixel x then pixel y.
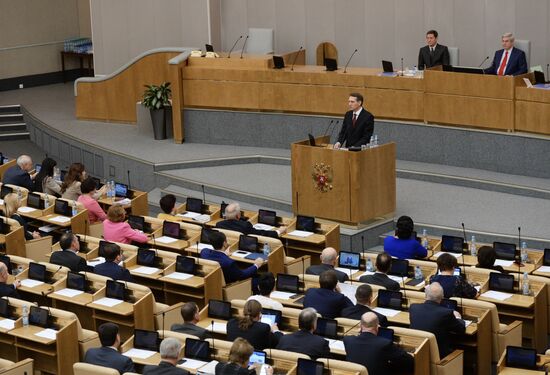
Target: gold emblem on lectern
{"type": "Point", "coordinates": [322, 177]}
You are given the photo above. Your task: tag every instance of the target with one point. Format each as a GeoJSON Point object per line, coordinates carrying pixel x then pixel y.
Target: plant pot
{"type": "Point", "coordinates": [159, 126]}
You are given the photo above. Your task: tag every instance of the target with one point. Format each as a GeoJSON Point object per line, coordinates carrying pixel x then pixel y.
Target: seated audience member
{"type": "Point", "coordinates": [404, 245]}
{"type": "Point", "coordinates": [68, 256]}
{"type": "Point", "coordinates": [266, 284]}
{"type": "Point", "coordinates": [168, 207]}
{"type": "Point", "coordinates": [170, 349]}
{"type": "Point", "coordinates": [430, 316]}
{"type": "Point", "coordinates": [379, 355]}
{"type": "Point", "coordinates": [327, 300]}
{"type": "Point", "coordinates": [231, 270]}
{"type": "Point", "coordinates": [108, 355]}
{"type": "Point", "coordinates": [19, 174]}
{"type": "Point", "coordinates": [453, 286]}
{"type": "Point", "coordinates": [117, 230]}
{"type": "Point", "coordinates": [7, 290]}
{"type": "Point", "coordinates": [190, 315]}
{"type": "Point", "coordinates": [239, 356]}
{"type": "Point", "coordinates": [486, 257]}
{"type": "Point", "coordinates": [88, 188]}
{"type": "Point", "coordinates": [304, 341]}
{"type": "Point", "coordinates": [233, 221]}
{"type": "Point", "coordinates": [44, 181]}
{"type": "Point", "coordinates": [329, 259]}
{"type": "Point", "coordinates": [249, 327]}
{"type": "Point", "coordinates": [70, 188]}
{"type": "Point", "coordinates": [363, 296]}
{"type": "Point", "coordinates": [380, 277]}
{"type": "Point", "coordinates": [11, 205]}
{"type": "Point", "coordinates": [111, 266]}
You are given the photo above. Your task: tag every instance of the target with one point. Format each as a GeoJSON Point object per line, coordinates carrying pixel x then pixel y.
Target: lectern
{"type": "Point", "coordinates": [340, 185]}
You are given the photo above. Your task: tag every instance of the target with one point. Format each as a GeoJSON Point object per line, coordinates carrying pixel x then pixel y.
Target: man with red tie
{"type": "Point", "coordinates": [358, 124]}
{"type": "Point", "coordinates": [508, 61]}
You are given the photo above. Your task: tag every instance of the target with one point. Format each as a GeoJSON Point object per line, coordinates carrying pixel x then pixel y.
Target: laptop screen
{"type": "Point", "coordinates": [386, 333]}
{"type": "Point", "coordinates": [309, 367]}
{"type": "Point", "coordinates": [501, 282]}
{"type": "Point", "coordinates": [257, 357]}
{"type": "Point", "coordinates": [4, 308]}
{"type": "Point", "coordinates": [349, 260]}
{"type": "Point", "coordinates": [115, 290]}
{"type": "Point", "coordinates": [399, 267]}
{"type": "Point", "coordinates": [121, 190]}
{"type": "Point", "coordinates": [271, 316]}
{"type": "Point", "coordinates": [288, 283]}
{"type": "Point", "coordinates": [452, 244]}
{"type": "Point", "coordinates": [101, 250]}
{"type": "Point", "coordinates": [267, 217]}
{"type": "Point", "coordinates": [146, 340]}
{"type": "Point", "coordinates": [38, 317]}
{"type": "Point", "coordinates": [171, 229]}
{"type": "Point", "coordinates": [327, 328]}
{"type": "Point", "coordinates": [193, 205]}
{"type": "Point", "coordinates": [305, 223]}
{"type": "Point", "coordinates": [76, 281]}
{"type": "Point", "coordinates": [387, 66]}
{"type": "Point", "coordinates": [197, 349]}
{"type": "Point", "coordinates": [7, 261]}
{"type": "Point", "coordinates": [62, 208]}
{"type": "Point", "coordinates": [136, 222]}
{"type": "Point", "coordinates": [37, 272]}
{"type": "Point", "coordinates": [185, 265]}
{"type": "Point", "coordinates": [204, 235]}
{"type": "Point", "coordinates": [248, 243]}
{"type": "Point", "coordinates": [505, 250]}
{"type": "Point", "coordinates": [219, 309]}
{"type": "Point", "coordinates": [521, 357]}
{"type": "Point", "coordinates": [389, 299]}
{"type": "Point", "coordinates": [35, 201]}
{"type": "Point", "coordinates": [147, 258]}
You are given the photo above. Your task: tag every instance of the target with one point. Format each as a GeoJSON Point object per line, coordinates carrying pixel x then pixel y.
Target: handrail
{"type": "Point", "coordinates": [185, 52]}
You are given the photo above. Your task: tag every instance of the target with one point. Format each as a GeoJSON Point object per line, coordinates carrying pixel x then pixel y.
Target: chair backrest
{"type": "Point", "coordinates": [454, 56]}
{"type": "Point", "coordinates": [525, 46]}
{"type": "Point", "coordinates": [260, 41]}
{"type": "Point", "coordinates": [325, 50]}
{"type": "Point", "coordinates": [286, 355]}
{"type": "Point", "coordinates": [81, 368]}
{"type": "Point", "coordinates": [434, 349]}
{"type": "Point", "coordinates": [335, 364]}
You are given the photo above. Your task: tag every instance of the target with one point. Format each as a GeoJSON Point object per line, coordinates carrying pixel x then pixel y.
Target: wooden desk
{"type": "Point", "coordinates": [39, 292]}
{"type": "Point", "coordinates": [532, 110]}
{"type": "Point", "coordinates": [213, 210]}
{"type": "Point", "coordinates": [326, 235]}
{"type": "Point", "coordinates": [77, 223]}
{"type": "Point", "coordinates": [542, 363]}
{"type": "Point", "coordinates": [138, 203]}
{"type": "Point", "coordinates": [153, 360]}
{"type": "Point", "coordinates": [14, 240]}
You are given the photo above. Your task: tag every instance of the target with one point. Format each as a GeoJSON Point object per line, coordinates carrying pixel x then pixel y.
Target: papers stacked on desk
{"type": "Point", "coordinates": [26, 209]}
{"type": "Point", "coordinates": [60, 219]}
{"type": "Point", "coordinates": [165, 239]}
{"type": "Point", "coordinates": [336, 344]}
{"type": "Point", "coordinates": [496, 295]}
{"type": "Point", "coordinates": [122, 202]}
{"type": "Point", "coordinates": [281, 295]}
{"type": "Point", "coordinates": [260, 226]}
{"type": "Point", "coordinates": [189, 215]}
{"type": "Point", "coordinates": [139, 353]}
{"type": "Point", "coordinates": [7, 324]}
{"type": "Point", "coordinates": [467, 322]}
{"type": "Point", "coordinates": [179, 276]}
{"type": "Point", "coordinates": [146, 270]}
{"type": "Point", "coordinates": [94, 262]}
{"type": "Point", "coordinates": [30, 283]}
{"type": "Point", "coordinates": [201, 246]}
{"type": "Point", "coordinates": [386, 312]}
{"type": "Point", "coordinates": [208, 369]}
{"type": "Point", "coordinates": [108, 302]}
{"type": "Point", "coordinates": [47, 333]}
{"type": "Point", "coordinates": [67, 292]}
{"type": "Point", "coordinates": [349, 291]}
{"type": "Point", "coordinates": [300, 233]}
{"type": "Point", "coordinates": [543, 269]}
{"type": "Point", "coordinates": [192, 364]}
{"type": "Point", "coordinates": [218, 327]}
{"type": "Point", "coordinates": [202, 218]}
{"type": "Point", "coordinates": [503, 263]}
{"type": "Point", "coordinates": [47, 228]}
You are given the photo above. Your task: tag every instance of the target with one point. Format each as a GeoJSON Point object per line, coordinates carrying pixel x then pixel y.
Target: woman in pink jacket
{"type": "Point", "coordinates": [117, 230]}
{"type": "Point", "coordinates": [88, 200]}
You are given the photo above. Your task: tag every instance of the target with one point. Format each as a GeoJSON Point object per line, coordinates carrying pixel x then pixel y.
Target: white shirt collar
{"type": "Point", "coordinates": [434, 47]}
{"type": "Point", "coordinates": [358, 111]}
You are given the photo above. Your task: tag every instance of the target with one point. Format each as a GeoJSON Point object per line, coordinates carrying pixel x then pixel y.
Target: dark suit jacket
{"type": "Point", "coordinates": [320, 268]}
{"type": "Point", "coordinates": [439, 320]}
{"type": "Point", "coordinates": [379, 355]}
{"type": "Point", "coordinates": [17, 176]}
{"type": "Point", "coordinates": [69, 259]}
{"type": "Point", "coordinates": [306, 343]}
{"type": "Point", "coordinates": [259, 335]}
{"type": "Point", "coordinates": [164, 368]}
{"type": "Point", "coordinates": [23, 223]}
{"type": "Point", "coordinates": [108, 357]}
{"type": "Point", "coordinates": [357, 311]}
{"type": "Point", "coordinates": [230, 268]}
{"type": "Point", "coordinates": [380, 279]}
{"type": "Point", "coordinates": [232, 369]}
{"type": "Point", "coordinates": [328, 303]}
{"type": "Point", "coordinates": [245, 227]}
{"type": "Point", "coordinates": [439, 57]}
{"type": "Point", "coordinates": [361, 133]}
{"type": "Point", "coordinates": [114, 271]}
{"type": "Point", "coordinates": [8, 290]}
{"type": "Point", "coordinates": [191, 329]}
{"type": "Point", "coordinates": [517, 63]}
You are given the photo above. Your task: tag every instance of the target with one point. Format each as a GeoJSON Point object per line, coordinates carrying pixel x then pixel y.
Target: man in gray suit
{"type": "Point", "coordinates": [329, 259]}
{"type": "Point", "coordinates": [108, 355]}
{"type": "Point", "coordinates": [190, 315]}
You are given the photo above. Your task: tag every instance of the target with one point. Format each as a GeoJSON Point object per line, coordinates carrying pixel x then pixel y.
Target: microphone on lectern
{"type": "Point", "coordinates": [346, 67]}
{"type": "Point", "coordinates": [234, 45]}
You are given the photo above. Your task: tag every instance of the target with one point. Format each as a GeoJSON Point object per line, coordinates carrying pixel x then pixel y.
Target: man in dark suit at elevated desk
{"type": "Point", "coordinates": [304, 341]}
{"type": "Point", "coordinates": [233, 221]}
{"type": "Point", "coordinates": [329, 259]}
{"type": "Point", "coordinates": [190, 315]}
{"type": "Point", "coordinates": [379, 355]}
{"type": "Point", "coordinates": [508, 61]}
{"type": "Point", "coordinates": [327, 300]}
{"type": "Point", "coordinates": [363, 296]}
{"type": "Point", "coordinates": [380, 277]}
{"type": "Point", "coordinates": [68, 256]}
{"type": "Point", "coordinates": [358, 124]}
{"type": "Point", "coordinates": [433, 54]}
{"type": "Point", "coordinates": [108, 355]}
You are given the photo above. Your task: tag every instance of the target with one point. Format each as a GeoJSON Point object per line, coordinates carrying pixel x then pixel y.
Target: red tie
{"type": "Point", "coordinates": [503, 64]}
{"type": "Point", "coordinates": [354, 120]}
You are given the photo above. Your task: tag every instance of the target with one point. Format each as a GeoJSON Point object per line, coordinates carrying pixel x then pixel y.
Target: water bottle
{"type": "Point", "coordinates": [525, 286]}
{"type": "Point", "coordinates": [418, 273]}
{"type": "Point", "coordinates": [57, 174]}
{"type": "Point", "coordinates": [524, 255]}
{"type": "Point", "coordinates": [473, 247]}
{"type": "Point", "coordinates": [46, 201]}
{"type": "Point", "coordinates": [25, 316]}
{"type": "Point", "coordinates": [363, 147]}
{"type": "Point", "coordinates": [370, 268]}
{"type": "Point", "coordinates": [75, 211]}
{"type": "Point", "coordinates": [267, 249]}
{"type": "Point", "coordinates": [425, 241]}
{"type": "Point", "coordinates": [19, 194]}
{"type": "Point", "coordinates": [371, 142]}
{"type": "Point", "coordinates": [375, 140]}
{"type": "Point", "coordinates": [110, 189]}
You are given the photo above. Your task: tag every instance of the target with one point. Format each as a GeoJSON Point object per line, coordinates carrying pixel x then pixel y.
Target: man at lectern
{"type": "Point", "coordinates": [358, 124]}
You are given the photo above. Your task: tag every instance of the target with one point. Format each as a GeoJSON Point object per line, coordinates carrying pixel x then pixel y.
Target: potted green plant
{"type": "Point", "coordinates": [157, 99]}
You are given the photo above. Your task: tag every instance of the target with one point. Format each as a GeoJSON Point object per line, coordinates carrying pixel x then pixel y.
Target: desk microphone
{"type": "Point", "coordinates": [129, 185]}
{"type": "Point", "coordinates": [163, 314]}
{"type": "Point", "coordinates": [53, 274]}
{"type": "Point", "coordinates": [346, 67]}
{"type": "Point", "coordinates": [49, 311]}
{"type": "Point", "coordinates": [332, 131]}
{"type": "Point", "coordinates": [303, 275]}
{"type": "Point", "coordinates": [464, 233]}
{"type": "Point", "coordinates": [244, 45]}
{"type": "Point", "coordinates": [355, 325]}
{"type": "Point", "coordinates": [363, 252]}
{"type": "Point", "coordinates": [518, 256]}
{"type": "Point", "coordinates": [232, 48]}
{"type": "Point", "coordinates": [483, 62]}
{"type": "Point", "coordinates": [547, 80]}
{"type": "Point", "coordinates": [203, 195]}
{"type": "Point", "coordinates": [212, 331]}
{"type": "Point", "coordinates": [402, 71]}
{"type": "Point", "coordinates": [296, 58]}
{"type": "Point", "coordinates": [329, 125]}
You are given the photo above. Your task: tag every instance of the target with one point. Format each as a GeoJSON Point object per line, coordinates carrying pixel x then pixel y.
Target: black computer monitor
{"type": "Point", "coordinates": [505, 250]}
{"type": "Point", "coordinates": [387, 66]}
{"type": "Point", "coordinates": [121, 190]}
{"type": "Point", "coordinates": [193, 205]}
{"type": "Point", "coordinates": [7, 262]}
{"type": "Point", "coordinates": [267, 217]}
{"type": "Point", "coordinates": [37, 272]}
{"type": "Point", "coordinates": [519, 357]}
{"type": "Point", "coordinates": [451, 304]}
{"type": "Point", "coordinates": [147, 258]}
{"type": "Point", "coordinates": [35, 201]}
{"type": "Point", "coordinates": [115, 290]}
{"type": "Point", "coordinates": [186, 265]}
{"type": "Point", "coordinates": [248, 243]}
{"type": "Point", "coordinates": [4, 308]}
{"type": "Point", "coordinates": [197, 349]}
{"type": "Point", "coordinates": [452, 244]}
{"type": "Point", "coordinates": [327, 328]}
{"type": "Point", "coordinates": [4, 228]}
{"type": "Point", "coordinates": [390, 299]}
{"type": "Point", "coordinates": [62, 207]}
{"type": "Point", "coordinates": [501, 282]}
{"type": "Point", "coordinates": [102, 244]}
{"type": "Point", "coordinates": [136, 222]}
{"type": "Point", "coordinates": [349, 260]}
{"type": "Point", "coordinates": [76, 281]}
{"type": "Point", "coordinates": [146, 340]}
{"type": "Point", "coordinates": [288, 283]}
{"type": "Point", "coordinates": [278, 62]}
{"type": "Point", "coordinates": [209, 47]}
{"type": "Point", "coordinates": [38, 317]}
{"type": "Point", "coordinates": [218, 309]}
{"type": "Point", "coordinates": [5, 190]}
{"type": "Point", "coordinates": [399, 267]}
{"type": "Point", "coordinates": [539, 77]}
{"type": "Point", "coordinates": [309, 367]}
{"type": "Point", "coordinates": [205, 235]}
{"type": "Point", "coordinates": [468, 69]}
{"type": "Point", "coordinates": [386, 333]}
{"type": "Point", "coordinates": [305, 223]}
{"type": "Point", "coordinates": [171, 229]}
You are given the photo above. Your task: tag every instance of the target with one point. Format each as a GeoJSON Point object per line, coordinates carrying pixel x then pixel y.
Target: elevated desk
{"type": "Point", "coordinates": [138, 203]}
{"type": "Point", "coordinates": [533, 110]}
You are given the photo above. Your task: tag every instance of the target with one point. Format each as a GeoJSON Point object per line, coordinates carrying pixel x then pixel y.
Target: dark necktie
{"type": "Point", "coordinates": [354, 120]}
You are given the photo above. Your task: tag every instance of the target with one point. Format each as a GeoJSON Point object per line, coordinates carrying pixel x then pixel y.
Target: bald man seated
{"type": "Point", "coordinates": [379, 355]}
{"type": "Point", "coordinates": [234, 221]}
{"type": "Point", "coordinates": [329, 260]}
{"type": "Point", "coordinates": [19, 174]}
{"type": "Point", "coordinates": [7, 290]}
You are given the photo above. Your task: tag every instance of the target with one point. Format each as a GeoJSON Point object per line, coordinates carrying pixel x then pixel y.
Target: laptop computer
{"type": "Point", "coordinates": [62, 208]}
{"type": "Point", "coordinates": [288, 283]}
{"type": "Point", "coordinates": [539, 77]}
{"type": "Point", "coordinates": [399, 267]}
{"type": "Point", "coordinates": [452, 244]}
{"type": "Point", "coordinates": [451, 304]}
{"type": "Point", "coordinates": [5, 190]}
{"type": "Point", "coordinates": [39, 317]}
{"type": "Point", "coordinates": [501, 282]}
{"type": "Point", "coordinates": [350, 260]}
{"type": "Point", "coordinates": [248, 243]}
{"type": "Point", "coordinates": [116, 290]}
{"type": "Point", "coordinates": [327, 328]}
{"type": "Point", "coordinates": [148, 258]}
{"type": "Point", "coordinates": [172, 229]}
{"type": "Point", "coordinates": [35, 201]}
{"type": "Point", "coordinates": [386, 333]}
{"type": "Point", "coordinates": [37, 272]}
{"type": "Point", "coordinates": [193, 205]}
{"type": "Point", "coordinates": [331, 65]}
{"type": "Point", "coordinates": [76, 281]}
{"type": "Point", "coordinates": [387, 66]}
{"type": "Point", "coordinates": [390, 299]}
{"type": "Point", "coordinates": [146, 340]}
{"type": "Point", "coordinates": [5, 308]}
{"type": "Point", "coordinates": [209, 48]}
{"type": "Point", "coordinates": [219, 309]}
{"type": "Point", "coordinates": [278, 62]}
{"type": "Point", "coordinates": [546, 258]}
{"type": "Point", "coordinates": [505, 250]}
{"type": "Point", "coordinates": [186, 265]}
{"type": "Point", "coordinates": [197, 350]}
{"type": "Point", "coordinates": [309, 367]}
{"type": "Point", "coordinates": [136, 222]}
{"type": "Point", "coordinates": [121, 190]}
{"type": "Point", "coordinates": [267, 217]}
{"type": "Point", "coordinates": [271, 316]}
{"type": "Point", "coordinates": [518, 357]}
{"type": "Point", "coordinates": [305, 223]}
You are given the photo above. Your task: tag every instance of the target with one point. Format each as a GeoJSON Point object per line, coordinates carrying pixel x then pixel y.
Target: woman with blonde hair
{"type": "Point", "coordinates": [249, 326]}
{"type": "Point", "coordinates": [11, 205]}
{"type": "Point", "coordinates": [239, 356]}
{"type": "Point", "coordinates": [115, 229]}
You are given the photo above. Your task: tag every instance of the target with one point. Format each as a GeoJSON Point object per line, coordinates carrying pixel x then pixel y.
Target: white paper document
{"type": "Point", "coordinates": [47, 334]}
{"type": "Point", "coordinates": [122, 202]}
{"type": "Point", "coordinates": [218, 327]}
{"type": "Point", "coordinates": [7, 324]}
{"type": "Point", "coordinates": [109, 302]}
{"type": "Point", "coordinates": [1, 201]}
{"type": "Point", "coordinates": [544, 269]}
{"type": "Point", "coordinates": [209, 369]}
{"type": "Point", "coordinates": [204, 246]}
{"type": "Point", "coordinates": [67, 292]}
{"type": "Point", "coordinates": [165, 239]}
{"type": "Point", "coordinates": [241, 253]}
{"type": "Point", "coordinates": [179, 276]}
{"type": "Point", "coordinates": [300, 233]}
{"type": "Point", "coordinates": [399, 279]}
{"type": "Point", "coordinates": [456, 255]}
{"type": "Point", "coordinates": [260, 226]}
{"type": "Point", "coordinates": [189, 215]}
{"type": "Point", "coordinates": [496, 295]}
{"type": "Point", "coordinates": [30, 283]}
{"type": "Point", "coordinates": [26, 209]}
{"type": "Point", "coordinates": [467, 322]}
{"type": "Point", "coordinates": [349, 290]}
{"type": "Point", "coordinates": [139, 353]}
{"type": "Point", "coordinates": [503, 263]}
{"type": "Point", "coordinates": [281, 295]}
{"type": "Point", "coordinates": [202, 218]}
{"type": "Point", "coordinates": [367, 273]}
{"type": "Point", "coordinates": [386, 312]}
{"type": "Point", "coordinates": [94, 262]}
{"type": "Point", "coordinates": [336, 344]}
{"type": "Point", "coordinates": [347, 271]}
{"type": "Point", "coordinates": [146, 270]}
{"type": "Point", "coordinates": [60, 219]}
{"type": "Point", "coordinates": [192, 364]}
{"type": "Point", "coordinates": [47, 228]}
